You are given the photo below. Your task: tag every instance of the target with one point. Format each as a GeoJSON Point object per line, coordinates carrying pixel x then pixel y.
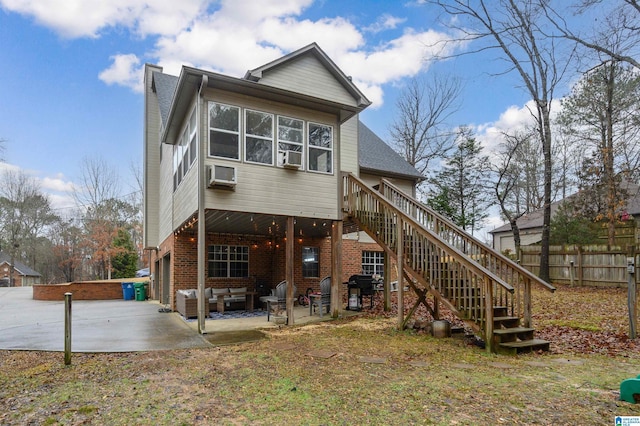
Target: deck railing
{"type": "Point", "coordinates": [509, 271]}
{"type": "Point", "coordinates": [472, 289]}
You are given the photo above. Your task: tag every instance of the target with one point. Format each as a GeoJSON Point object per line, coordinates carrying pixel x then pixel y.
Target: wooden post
{"type": "Point", "coordinates": [580, 271]}
{"type": "Point", "coordinates": [527, 302]}
{"type": "Point", "coordinates": [632, 296]}
{"type": "Point", "coordinates": [67, 328]}
{"type": "Point", "coordinates": [400, 261]}
{"type": "Point", "coordinates": [387, 282]}
{"type": "Point", "coordinates": [488, 316]}
{"type": "Point", "coordinates": [336, 267]}
{"type": "Point", "coordinates": [289, 268]}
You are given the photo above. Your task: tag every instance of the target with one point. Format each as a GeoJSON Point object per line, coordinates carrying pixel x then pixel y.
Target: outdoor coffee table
{"type": "Point", "coordinates": [248, 300]}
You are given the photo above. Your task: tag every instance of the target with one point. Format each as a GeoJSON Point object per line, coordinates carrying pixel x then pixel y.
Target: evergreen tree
{"type": "Point", "coordinates": [460, 190]}
{"type": "Point", "coordinates": [125, 261]}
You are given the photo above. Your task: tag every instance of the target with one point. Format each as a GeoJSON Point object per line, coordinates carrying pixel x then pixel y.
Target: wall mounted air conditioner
{"type": "Point", "coordinates": [292, 159]}
{"type": "Point", "coordinates": [221, 176]}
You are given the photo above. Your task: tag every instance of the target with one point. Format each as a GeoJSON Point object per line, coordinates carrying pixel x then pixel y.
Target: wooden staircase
{"type": "Point", "coordinates": [482, 287]}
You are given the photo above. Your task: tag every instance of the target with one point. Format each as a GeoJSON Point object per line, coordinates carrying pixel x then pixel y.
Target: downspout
{"type": "Point", "coordinates": [202, 232]}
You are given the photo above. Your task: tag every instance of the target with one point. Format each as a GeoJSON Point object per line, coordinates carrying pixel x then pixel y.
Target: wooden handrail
{"type": "Point", "coordinates": [494, 260]}
{"type": "Point", "coordinates": [470, 288]}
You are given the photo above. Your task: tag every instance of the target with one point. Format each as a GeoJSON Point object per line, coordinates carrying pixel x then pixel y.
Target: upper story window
{"type": "Point", "coordinates": [320, 148]}
{"type": "Point", "coordinates": [290, 136]}
{"type": "Point", "coordinates": [258, 137]}
{"type": "Point", "coordinates": [185, 150]}
{"type": "Point", "coordinates": [224, 131]}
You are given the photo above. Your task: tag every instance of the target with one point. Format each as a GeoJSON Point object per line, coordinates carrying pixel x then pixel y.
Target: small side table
{"type": "Point", "coordinates": [315, 297]}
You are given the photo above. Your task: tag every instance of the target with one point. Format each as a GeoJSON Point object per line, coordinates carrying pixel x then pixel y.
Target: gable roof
{"type": "Point", "coordinates": [535, 219]}
{"type": "Point", "coordinates": [314, 50]}
{"type": "Point", "coordinates": [375, 156]}
{"type": "Point", "coordinates": [22, 269]}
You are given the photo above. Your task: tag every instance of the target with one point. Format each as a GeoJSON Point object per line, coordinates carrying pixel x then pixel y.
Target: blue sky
{"type": "Point", "coordinates": [71, 70]}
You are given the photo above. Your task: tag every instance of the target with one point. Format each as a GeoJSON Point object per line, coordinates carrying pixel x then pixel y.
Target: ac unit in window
{"type": "Point", "coordinates": [221, 176]}
{"type": "Point", "coordinates": [292, 159]}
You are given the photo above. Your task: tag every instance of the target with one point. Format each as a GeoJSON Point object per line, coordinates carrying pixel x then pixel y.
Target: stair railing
{"type": "Point", "coordinates": [473, 289]}
{"type": "Point", "coordinates": [509, 271]}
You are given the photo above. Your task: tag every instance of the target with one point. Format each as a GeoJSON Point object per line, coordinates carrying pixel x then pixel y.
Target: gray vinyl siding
{"type": "Point", "coordinates": [405, 185]}
{"type": "Point", "coordinates": [166, 193]}
{"type": "Point", "coordinates": [185, 199]}
{"type": "Point", "coordinates": [151, 170]}
{"type": "Point", "coordinates": [277, 191]}
{"type": "Point", "coordinates": [307, 75]}
{"type": "Point", "coordinates": [349, 146]}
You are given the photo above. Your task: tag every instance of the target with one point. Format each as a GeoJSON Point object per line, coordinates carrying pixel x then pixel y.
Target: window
{"type": "Point", "coordinates": [224, 131]}
{"type": "Point", "coordinates": [320, 148]}
{"type": "Point", "coordinates": [258, 137]}
{"type": "Point", "coordinates": [372, 262]}
{"type": "Point", "coordinates": [310, 262]}
{"type": "Point", "coordinates": [228, 261]}
{"type": "Point", "coordinates": [290, 136]}
{"type": "Point", "coordinates": [184, 152]}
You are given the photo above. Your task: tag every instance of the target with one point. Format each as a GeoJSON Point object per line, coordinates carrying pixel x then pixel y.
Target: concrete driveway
{"type": "Point", "coordinates": [97, 326]}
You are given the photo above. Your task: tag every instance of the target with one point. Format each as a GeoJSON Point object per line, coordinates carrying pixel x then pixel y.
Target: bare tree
{"type": "Point", "coordinates": [98, 183]}
{"type": "Point", "coordinates": [420, 131]}
{"type": "Point", "coordinates": [601, 112]}
{"type": "Point", "coordinates": [25, 212]}
{"type": "Point", "coordinates": [616, 35]}
{"type": "Point", "coordinates": [515, 28]}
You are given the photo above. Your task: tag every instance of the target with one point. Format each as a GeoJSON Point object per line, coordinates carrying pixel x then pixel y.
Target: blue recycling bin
{"type": "Point", "coordinates": [127, 291]}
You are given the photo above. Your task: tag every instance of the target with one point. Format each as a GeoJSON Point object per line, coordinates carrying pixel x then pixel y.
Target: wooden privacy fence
{"type": "Point", "coordinates": [597, 266]}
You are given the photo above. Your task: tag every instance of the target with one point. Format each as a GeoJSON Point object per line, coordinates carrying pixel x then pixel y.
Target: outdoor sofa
{"type": "Point", "coordinates": [187, 300]}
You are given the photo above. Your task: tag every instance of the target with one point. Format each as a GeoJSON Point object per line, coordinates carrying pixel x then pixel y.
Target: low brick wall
{"type": "Point", "coordinates": [83, 290]}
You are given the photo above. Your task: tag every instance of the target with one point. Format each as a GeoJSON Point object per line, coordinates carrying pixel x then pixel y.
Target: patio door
{"type": "Point", "coordinates": [166, 279]}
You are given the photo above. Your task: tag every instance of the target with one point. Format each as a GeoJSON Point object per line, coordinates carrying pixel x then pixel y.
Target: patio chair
{"type": "Point", "coordinates": [278, 301]}
{"type": "Point", "coordinates": [325, 297]}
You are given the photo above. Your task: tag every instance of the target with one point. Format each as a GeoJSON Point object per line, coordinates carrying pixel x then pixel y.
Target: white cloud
{"type": "Point", "coordinates": [231, 36]}
{"type": "Point", "coordinates": [385, 22]}
{"type": "Point", "coordinates": [513, 119]}
{"type": "Point", "coordinates": [125, 70]}
{"type": "Point", "coordinates": [57, 183]}
{"type": "Point", "coordinates": [81, 18]}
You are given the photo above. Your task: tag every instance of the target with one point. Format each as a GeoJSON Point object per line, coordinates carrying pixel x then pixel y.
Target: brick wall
{"type": "Point", "coordinates": [90, 290]}
{"type": "Point", "coordinates": [266, 261]}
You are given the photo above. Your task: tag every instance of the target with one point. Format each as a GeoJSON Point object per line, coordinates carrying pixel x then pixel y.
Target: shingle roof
{"type": "Point", "coordinates": [165, 86]}
{"type": "Point", "coordinates": [19, 266]}
{"type": "Point", "coordinates": [378, 157]}
{"type": "Point", "coordinates": [535, 218]}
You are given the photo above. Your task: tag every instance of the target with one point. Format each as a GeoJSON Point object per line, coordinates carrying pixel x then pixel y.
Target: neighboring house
{"type": "Point", "coordinates": [530, 225]}
{"type": "Point", "coordinates": [243, 176]}
{"type": "Point", "coordinates": [23, 276]}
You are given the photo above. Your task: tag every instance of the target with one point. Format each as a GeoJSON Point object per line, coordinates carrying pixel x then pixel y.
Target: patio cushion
{"type": "Point", "coordinates": [215, 292]}
{"type": "Point", "coordinates": [207, 293]}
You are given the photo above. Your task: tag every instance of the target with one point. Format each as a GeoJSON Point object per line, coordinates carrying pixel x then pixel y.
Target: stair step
{"type": "Point", "coordinates": [512, 334]}
{"type": "Point", "coordinates": [524, 346]}
{"type": "Point", "coordinates": [506, 320]}
{"type": "Point", "coordinates": [513, 330]}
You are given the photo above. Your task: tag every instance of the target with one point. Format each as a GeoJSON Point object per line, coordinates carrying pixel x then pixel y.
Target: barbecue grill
{"type": "Point", "coordinates": [363, 286]}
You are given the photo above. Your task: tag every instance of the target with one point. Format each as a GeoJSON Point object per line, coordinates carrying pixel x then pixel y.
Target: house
{"type": "Point", "coordinates": [23, 276]}
{"type": "Point", "coordinates": [243, 177]}
{"type": "Point", "coordinates": [530, 224]}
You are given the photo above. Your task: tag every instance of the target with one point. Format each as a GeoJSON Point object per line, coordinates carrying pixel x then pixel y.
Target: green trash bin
{"type": "Point", "coordinates": [140, 291]}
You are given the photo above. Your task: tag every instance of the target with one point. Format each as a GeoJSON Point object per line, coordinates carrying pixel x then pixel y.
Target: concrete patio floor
{"type": "Point", "coordinates": [117, 325]}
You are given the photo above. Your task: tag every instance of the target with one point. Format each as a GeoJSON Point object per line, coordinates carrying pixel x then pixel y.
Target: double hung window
{"type": "Point", "coordinates": [290, 136]}
{"type": "Point", "coordinates": [258, 137]}
{"type": "Point", "coordinates": [320, 148]}
{"type": "Point", "coordinates": [224, 131]}
{"type": "Point", "coordinates": [310, 262]}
